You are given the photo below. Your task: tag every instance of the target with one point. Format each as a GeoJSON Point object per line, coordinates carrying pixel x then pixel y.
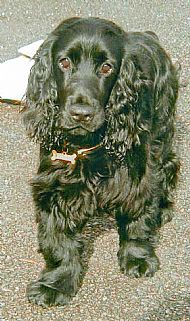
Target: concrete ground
{"type": "Point", "coordinates": [106, 294]}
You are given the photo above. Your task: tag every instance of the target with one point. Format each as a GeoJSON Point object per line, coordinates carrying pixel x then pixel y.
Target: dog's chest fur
{"type": "Point", "coordinates": [70, 196]}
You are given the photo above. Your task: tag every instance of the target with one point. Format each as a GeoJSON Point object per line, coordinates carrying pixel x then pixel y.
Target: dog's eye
{"type": "Point", "coordinates": [106, 69]}
{"type": "Point", "coordinates": [65, 64]}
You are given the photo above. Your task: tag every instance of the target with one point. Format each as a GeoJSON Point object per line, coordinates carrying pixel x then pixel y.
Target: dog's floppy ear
{"type": "Point", "coordinates": [129, 107]}
{"type": "Point", "coordinates": [144, 93]}
{"type": "Point", "coordinates": [41, 93]}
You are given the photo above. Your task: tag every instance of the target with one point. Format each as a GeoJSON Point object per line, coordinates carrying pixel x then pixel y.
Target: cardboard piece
{"type": "Point", "coordinates": [14, 72]}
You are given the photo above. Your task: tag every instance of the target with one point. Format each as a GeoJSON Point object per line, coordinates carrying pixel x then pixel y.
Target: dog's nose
{"type": "Point", "coordinates": [81, 113]}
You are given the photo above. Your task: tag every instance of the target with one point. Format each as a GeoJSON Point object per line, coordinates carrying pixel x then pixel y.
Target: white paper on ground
{"type": "Point", "coordinates": [14, 72]}
{"type": "Point", "coordinates": [30, 50]}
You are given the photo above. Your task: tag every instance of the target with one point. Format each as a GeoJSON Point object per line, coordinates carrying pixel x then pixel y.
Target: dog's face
{"type": "Point", "coordinates": [94, 83]}
{"type": "Point", "coordinates": [86, 62]}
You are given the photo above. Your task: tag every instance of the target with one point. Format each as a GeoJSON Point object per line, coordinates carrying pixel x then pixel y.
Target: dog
{"type": "Point", "coordinates": [101, 103]}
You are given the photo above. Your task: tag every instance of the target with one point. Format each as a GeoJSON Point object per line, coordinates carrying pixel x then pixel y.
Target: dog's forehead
{"type": "Point", "coordinates": [90, 26]}
{"type": "Point", "coordinates": [87, 45]}
{"type": "Point", "coordinates": [90, 40]}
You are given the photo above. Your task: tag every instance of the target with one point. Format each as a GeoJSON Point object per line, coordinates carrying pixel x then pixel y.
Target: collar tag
{"type": "Point", "coordinates": [71, 158]}
{"type": "Point", "coordinates": [64, 157]}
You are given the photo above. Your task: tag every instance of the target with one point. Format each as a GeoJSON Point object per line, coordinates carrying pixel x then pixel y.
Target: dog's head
{"type": "Point", "coordinates": [86, 58]}
{"type": "Point", "coordinates": [70, 83]}
{"type": "Point", "coordinates": [91, 79]}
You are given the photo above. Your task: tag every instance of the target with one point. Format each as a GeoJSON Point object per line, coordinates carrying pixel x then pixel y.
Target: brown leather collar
{"type": "Point", "coordinates": [72, 158]}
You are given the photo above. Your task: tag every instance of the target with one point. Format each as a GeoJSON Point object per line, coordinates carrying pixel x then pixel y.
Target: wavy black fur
{"type": "Point", "coordinates": [129, 110]}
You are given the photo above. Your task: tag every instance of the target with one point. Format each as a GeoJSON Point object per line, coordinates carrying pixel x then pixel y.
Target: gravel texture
{"type": "Point", "coordinates": [106, 294]}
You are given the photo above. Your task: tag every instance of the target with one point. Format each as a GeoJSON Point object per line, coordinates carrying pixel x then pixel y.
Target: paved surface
{"type": "Point", "coordinates": [106, 295]}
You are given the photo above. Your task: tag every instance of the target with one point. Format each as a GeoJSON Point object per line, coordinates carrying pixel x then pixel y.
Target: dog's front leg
{"type": "Point", "coordinates": [60, 279]}
{"type": "Point", "coordinates": [138, 238]}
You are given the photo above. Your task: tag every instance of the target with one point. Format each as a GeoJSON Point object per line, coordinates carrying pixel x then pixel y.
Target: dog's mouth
{"type": "Point", "coordinates": [81, 127]}
{"type": "Point", "coordinates": [78, 131]}
{"type": "Point", "coordinates": [81, 136]}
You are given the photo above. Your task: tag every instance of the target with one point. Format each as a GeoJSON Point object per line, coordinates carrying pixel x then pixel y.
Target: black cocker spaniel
{"type": "Point", "coordinates": [101, 103]}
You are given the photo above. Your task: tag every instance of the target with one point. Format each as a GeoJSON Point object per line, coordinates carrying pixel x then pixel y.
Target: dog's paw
{"type": "Point", "coordinates": [138, 260]}
{"type": "Point", "coordinates": [44, 296]}
{"type": "Point", "coordinates": [136, 268]}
